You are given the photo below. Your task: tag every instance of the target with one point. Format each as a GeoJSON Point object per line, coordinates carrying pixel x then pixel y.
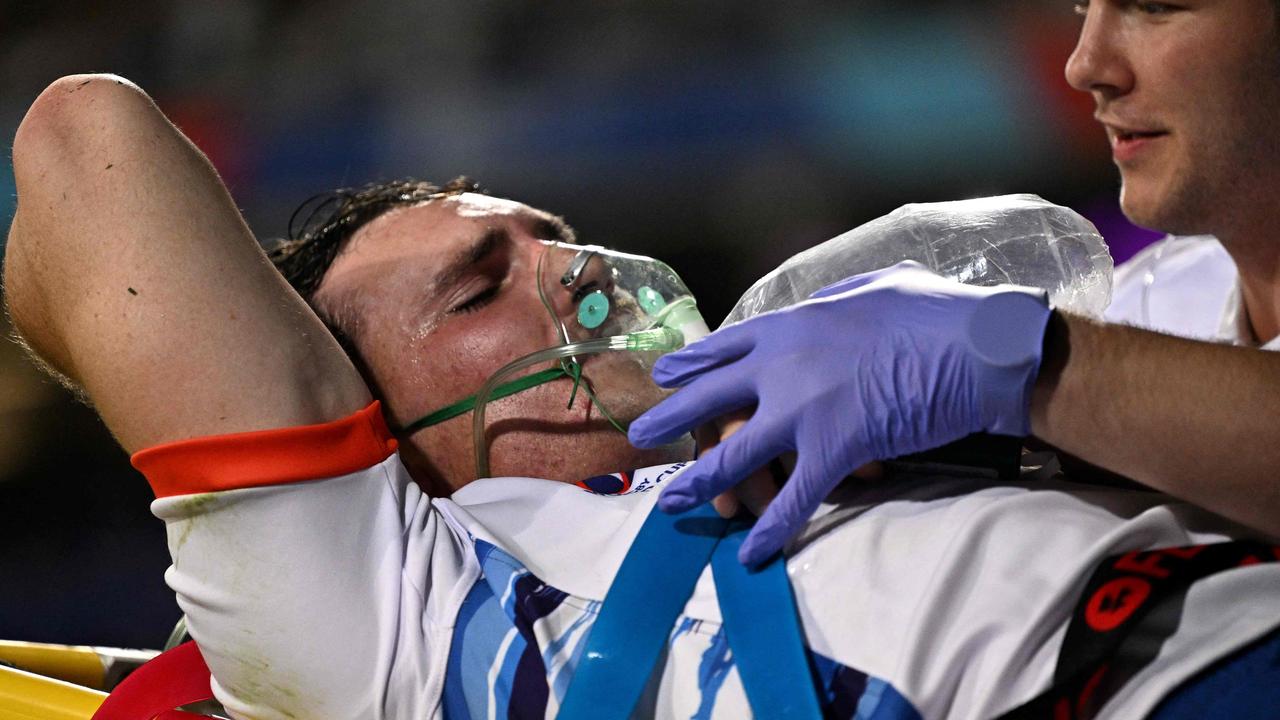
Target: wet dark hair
{"type": "Point", "coordinates": [323, 224]}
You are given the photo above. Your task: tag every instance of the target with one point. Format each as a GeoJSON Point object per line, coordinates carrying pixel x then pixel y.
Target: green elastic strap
{"type": "Point", "coordinates": [467, 404]}
{"type": "Point", "coordinates": [567, 368]}
{"type": "Point", "coordinates": [573, 369]}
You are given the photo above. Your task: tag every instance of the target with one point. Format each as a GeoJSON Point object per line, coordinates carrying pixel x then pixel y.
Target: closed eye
{"type": "Point", "coordinates": [477, 301]}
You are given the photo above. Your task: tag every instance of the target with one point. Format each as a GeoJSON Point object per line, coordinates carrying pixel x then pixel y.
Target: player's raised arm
{"type": "Point", "coordinates": [130, 271]}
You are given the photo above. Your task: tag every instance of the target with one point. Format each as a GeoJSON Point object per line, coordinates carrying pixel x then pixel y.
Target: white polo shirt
{"type": "Point", "coordinates": [1186, 286]}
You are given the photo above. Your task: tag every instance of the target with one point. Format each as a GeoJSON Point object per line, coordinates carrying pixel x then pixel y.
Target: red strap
{"type": "Point", "coordinates": [1115, 630]}
{"type": "Point", "coordinates": [173, 678]}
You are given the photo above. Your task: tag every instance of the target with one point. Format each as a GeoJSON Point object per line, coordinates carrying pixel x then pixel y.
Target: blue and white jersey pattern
{"type": "Point", "coordinates": [928, 597]}
{"type": "Point", "coordinates": [518, 640]}
{"type": "Point", "coordinates": [515, 642]}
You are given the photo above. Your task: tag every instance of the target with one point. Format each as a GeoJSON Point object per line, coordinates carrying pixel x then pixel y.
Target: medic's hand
{"type": "Point", "coordinates": [877, 366]}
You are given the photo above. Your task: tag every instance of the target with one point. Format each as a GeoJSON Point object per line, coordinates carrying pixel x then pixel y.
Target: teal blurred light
{"type": "Point", "coordinates": [931, 94]}
{"type": "Point", "coordinates": [8, 199]}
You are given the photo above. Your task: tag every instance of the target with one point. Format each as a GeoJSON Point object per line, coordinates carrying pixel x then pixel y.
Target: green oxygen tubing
{"type": "Point", "coordinates": [668, 336]}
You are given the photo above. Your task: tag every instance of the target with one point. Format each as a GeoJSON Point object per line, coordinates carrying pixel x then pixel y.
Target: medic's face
{"type": "Point", "coordinates": [1189, 93]}
{"type": "Point", "coordinates": [440, 295]}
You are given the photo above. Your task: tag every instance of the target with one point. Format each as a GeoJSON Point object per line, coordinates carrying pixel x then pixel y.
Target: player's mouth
{"type": "Point", "coordinates": [1127, 144]}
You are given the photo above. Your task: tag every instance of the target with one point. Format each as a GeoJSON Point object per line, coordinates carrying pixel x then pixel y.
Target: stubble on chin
{"type": "Point", "coordinates": [574, 457]}
{"type": "Point", "coordinates": [1183, 198]}
{"type": "Point", "coordinates": [1223, 170]}
{"type": "Point", "coordinates": [1211, 192]}
{"type": "Point", "coordinates": [1174, 210]}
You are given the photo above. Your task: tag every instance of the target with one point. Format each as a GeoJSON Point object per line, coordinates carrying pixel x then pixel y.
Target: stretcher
{"type": "Point", "coordinates": [44, 681]}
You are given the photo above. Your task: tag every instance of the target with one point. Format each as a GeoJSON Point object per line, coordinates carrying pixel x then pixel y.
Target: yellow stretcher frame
{"type": "Point", "coordinates": [79, 664]}
{"type": "Point", "coordinates": [44, 681]}
{"type": "Point", "coordinates": [27, 696]}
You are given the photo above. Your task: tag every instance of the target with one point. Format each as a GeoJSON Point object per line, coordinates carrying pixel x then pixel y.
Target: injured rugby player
{"type": "Point", "coordinates": [328, 572]}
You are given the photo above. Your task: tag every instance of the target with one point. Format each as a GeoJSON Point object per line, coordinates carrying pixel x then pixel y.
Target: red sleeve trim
{"type": "Point", "coordinates": [268, 457]}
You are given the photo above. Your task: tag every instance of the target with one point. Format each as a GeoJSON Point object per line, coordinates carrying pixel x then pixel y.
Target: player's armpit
{"type": "Point", "coordinates": [130, 270]}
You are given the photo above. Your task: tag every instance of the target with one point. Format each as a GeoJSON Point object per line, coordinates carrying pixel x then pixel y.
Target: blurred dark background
{"type": "Point", "coordinates": [721, 136]}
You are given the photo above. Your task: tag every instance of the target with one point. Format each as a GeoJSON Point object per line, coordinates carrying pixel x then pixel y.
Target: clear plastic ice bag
{"type": "Point", "coordinates": [1016, 239]}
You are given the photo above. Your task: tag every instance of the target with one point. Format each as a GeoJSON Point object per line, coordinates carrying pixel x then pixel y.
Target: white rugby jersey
{"type": "Point", "coordinates": [320, 582]}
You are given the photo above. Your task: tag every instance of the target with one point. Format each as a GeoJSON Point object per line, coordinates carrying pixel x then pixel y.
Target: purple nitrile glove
{"type": "Point", "coordinates": [880, 365]}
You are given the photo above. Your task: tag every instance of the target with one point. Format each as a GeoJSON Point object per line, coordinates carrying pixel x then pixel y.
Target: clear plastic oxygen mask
{"type": "Point", "coordinates": [620, 303]}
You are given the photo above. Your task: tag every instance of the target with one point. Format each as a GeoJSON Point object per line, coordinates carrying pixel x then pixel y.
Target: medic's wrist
{"type": "Point", "coordinates": [1054, 357]}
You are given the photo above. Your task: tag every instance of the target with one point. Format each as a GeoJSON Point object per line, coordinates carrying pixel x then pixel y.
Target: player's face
{"type": "Point", "coordinates": [1189, 93]}
{"type": "Point", "coordinates": [442, 294]}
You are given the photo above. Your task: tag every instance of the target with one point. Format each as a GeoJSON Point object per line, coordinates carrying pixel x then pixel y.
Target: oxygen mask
{"type": "Point", "coordinates": [617, 303]}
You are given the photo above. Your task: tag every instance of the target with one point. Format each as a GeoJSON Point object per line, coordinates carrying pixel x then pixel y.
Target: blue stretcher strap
{"type": "Point", "coordinates": [650, 590]}
{"type": "Point", "coordinates": [762, 622]}
{"type": "Point", "coordinates": [647, 596]}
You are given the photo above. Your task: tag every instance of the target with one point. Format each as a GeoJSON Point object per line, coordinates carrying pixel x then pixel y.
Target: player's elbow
{"type": "Point", "coordinates": [61, 151]}
{"type": "Point", "coordinates": [70, 121]}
